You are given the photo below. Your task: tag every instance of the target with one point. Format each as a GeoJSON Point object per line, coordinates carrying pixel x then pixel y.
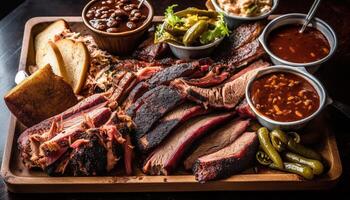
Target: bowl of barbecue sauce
{"type": "Point", "coordinates": [285, 45]}
{"type": "Point", "coordinates": [117, 25]}
{"type": "Point", "coordinates": [285, 97]}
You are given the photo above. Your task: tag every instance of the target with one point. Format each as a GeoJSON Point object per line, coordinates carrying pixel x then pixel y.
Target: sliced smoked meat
{"type": "Point", "coordinates": [156, 104]}
{"type": "Point", "coordinates": [244, 110]}
{"type": "Point", "coordinates": [227, 95]}
{"type": "Point", "coordinates": [228, 161]}
{"type": "Point", "coordinates": [162, 77]}
{"type": "Point", "coordinates": [242, 46]}
{"type": "Point", "coordinates": [164, 159]}
{"type": "Point", "coordinates": [217, 140]}
{"type": "Point", "coordinates": [168, 123]}
{"type": "Point", "coordinates": [254, 65]}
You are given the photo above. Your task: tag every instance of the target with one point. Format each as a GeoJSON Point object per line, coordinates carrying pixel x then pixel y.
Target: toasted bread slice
{"type": "Point", "coordinates": [76, 60]}
{"type": "Point", "coordinates": [48, 34]}
{"type": "Point", "coordinates": [51, 55]}
{"type": "Point", "coordinates": [40, 96]}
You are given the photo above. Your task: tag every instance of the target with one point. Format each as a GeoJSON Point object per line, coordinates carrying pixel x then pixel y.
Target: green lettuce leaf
{"type": "Point", "coordinates": [169, 16]}
{"type": "Point", "coordinates": [219, 31]}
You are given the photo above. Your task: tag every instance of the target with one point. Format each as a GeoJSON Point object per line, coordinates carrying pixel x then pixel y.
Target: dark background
{"type": "Point", "coordinates": [334, 74]}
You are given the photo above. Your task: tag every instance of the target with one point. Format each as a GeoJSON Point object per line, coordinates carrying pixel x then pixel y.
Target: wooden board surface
{"type": "Point", "coordinates": [20, 179]}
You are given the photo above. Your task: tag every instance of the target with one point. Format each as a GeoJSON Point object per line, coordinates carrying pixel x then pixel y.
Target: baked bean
{"type": "Point", "coordinates": [134, 19]}
{"type": "Point", "coordinates": [134, 11]}
{"type": "Point", "coordinates": [104, 16]}
{"type": "Point", "coordinates": [138, 15]}
{"type": "Point", "coordinates": [131, 25]}
{"type": "Point", "coordinates": [98, 14]}
{"type": "Point", "coordinates": [112, 23]}
{"type": "Point", "coordinates": [103, 8]}
{"type": "Point", "coordinates": [120, 13]}
{"type": "Point", "coordinates": [112, 30]}
{"type": "Point", "coordinates": [129, 7]}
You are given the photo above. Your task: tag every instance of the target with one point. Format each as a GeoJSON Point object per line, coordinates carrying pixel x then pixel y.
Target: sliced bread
{"type": "Point", "coordinates": [76, 61]}
{"type": "Point", "coordinates": [51, 55]}
{"type": "Point", "coordinates": [48, 34]}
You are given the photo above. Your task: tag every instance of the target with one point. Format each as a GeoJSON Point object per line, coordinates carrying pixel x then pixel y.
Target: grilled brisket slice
{"type": "Point", "coordinates": [163, 77]}
{"type": "Point", "coordinates": [164, 159]}
{"type": "Point", "coordinates": [211, 79]}
{"type": "Point", "coordinates": [217, 140]}
{"type": "Point", "coordinates": [245, 33]}
{"type": "Point", "coordinates": [223, 96]}
{"type": "Point", "coordinates": [242, 46]}
{"type": "Point", "coordinates": [230, 160]}
{"type": "Point", "coordinates": [156, 104]}
{"type": "Point", "coordinates": [167, 124]}
{"type": "Point", "coordinates": [244, 110]}
{"type": "Point", "coordinates": [244, 55]}
{"type": "Point", "coordinates": [255, 65]}
{"type": "Point", "coordinates": [120, 88]}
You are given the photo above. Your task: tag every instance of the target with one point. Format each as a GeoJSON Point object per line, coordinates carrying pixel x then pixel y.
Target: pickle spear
{"type": "Point", "coordinates": [194, 32]}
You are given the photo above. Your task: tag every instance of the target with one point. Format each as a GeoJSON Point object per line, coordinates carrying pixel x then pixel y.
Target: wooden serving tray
{"type": "Point", "coordinates": [20, 179]}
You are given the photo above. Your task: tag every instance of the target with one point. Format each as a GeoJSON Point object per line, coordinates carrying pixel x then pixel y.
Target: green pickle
{"type": "Point", "coordinates": [196, 11]}
{"type": "Point", "coordinates": [265, 143]}
{"type": "Point", "coordinates": [194, 32]}
{"type": "Point", "coordinates": [316, 166]}
{"type": "Point", "coordinates": [296, 168]}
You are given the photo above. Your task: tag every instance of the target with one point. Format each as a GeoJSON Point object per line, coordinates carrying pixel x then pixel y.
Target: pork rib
{"type": "Point", "coordinates": [165, 158]}
{"type": "Point", "coordinates": [167, 124]}
{"type": "Point", "coordinates": [230, 160]}
{"type": "Point", "coordinates": [217, 140]}
{"type": "Point", "coordinates": [224, 96]}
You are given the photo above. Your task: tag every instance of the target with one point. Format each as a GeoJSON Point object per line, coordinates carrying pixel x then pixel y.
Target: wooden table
{"type": "Point", "coordinates": [333, 74]}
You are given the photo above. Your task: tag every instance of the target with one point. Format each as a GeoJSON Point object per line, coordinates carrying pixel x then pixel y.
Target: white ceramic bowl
{"type": "Point", "coordinates": [235, 20]}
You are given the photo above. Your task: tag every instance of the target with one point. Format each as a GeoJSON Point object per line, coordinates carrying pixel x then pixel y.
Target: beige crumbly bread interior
{"type": "Point", "coordinates": [51, 55]}
{"type": "Point", "coordinates": [76, 61]}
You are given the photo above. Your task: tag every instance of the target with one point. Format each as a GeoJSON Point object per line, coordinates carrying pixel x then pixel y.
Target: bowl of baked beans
{"type": "Point", "coordinates": [117, 25]}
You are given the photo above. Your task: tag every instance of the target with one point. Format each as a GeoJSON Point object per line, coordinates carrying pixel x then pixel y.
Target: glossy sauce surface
{"type": "Point", "coordinates": [287, 43]}
{"type": "Point", "coordinates": [284, 96]}
{"type": "Point", "coordinates": [115, 16]}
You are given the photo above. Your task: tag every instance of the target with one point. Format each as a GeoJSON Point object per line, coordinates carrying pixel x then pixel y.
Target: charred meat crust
{"type": "Point", "coordinates": [217, 140]}
{"type": "Point", "coordinates": [90, 158]}
{"type": "Point", "coordinates": [167, 124]}
{"type": "Point", "coordinates": [161, 100]}
{"type": "Point", "coordinates": [242, 46]}
{"type": "Point", "coordinates": [163, 77]}
{"type": "Point", "coordinates": [164, 159]}
{"type": "Point", "coordinates": [228, 161]}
